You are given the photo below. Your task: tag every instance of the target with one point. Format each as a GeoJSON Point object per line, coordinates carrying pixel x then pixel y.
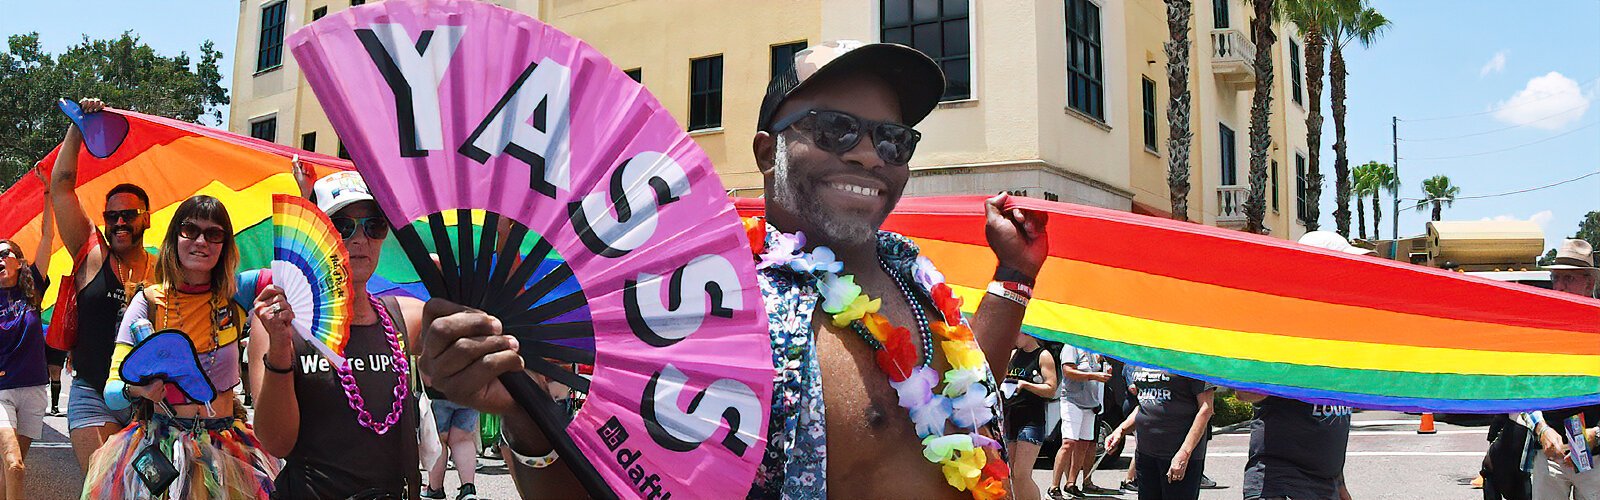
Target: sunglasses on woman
{"type": "Point", "coordinates": [376, 227]}
{"type": "Point", "coordinates": [838, 132]}
{"type": "Point", "coordinates": [192, 231]}
{"type": "Point", "coordinates": [9, 254]}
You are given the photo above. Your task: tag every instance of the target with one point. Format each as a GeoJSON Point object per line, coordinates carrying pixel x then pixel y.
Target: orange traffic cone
{"type": "Point", "coordinates": [1427, 424]}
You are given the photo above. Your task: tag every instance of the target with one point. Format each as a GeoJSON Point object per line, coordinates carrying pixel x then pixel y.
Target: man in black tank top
{"type": "Point", "coordinates": [114, 266]}
{"type": "Point", "coordinates": [303, 413]}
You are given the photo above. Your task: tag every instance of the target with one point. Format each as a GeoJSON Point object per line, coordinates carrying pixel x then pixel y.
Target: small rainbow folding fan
{"type": "Point", "coordinates": [310, 263]}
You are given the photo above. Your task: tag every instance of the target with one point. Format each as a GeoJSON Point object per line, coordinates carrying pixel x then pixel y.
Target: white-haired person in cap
{"type": "Point", "coordinates": [834, 144]}
{"type": "Point", "coordinates": [303, 413]}
{"type": "Point", "coordinates": [1297, 449]}
{"type": "Point", "coordinates": [1555, 477]}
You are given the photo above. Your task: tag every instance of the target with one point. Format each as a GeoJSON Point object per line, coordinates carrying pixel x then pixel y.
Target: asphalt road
{"type": "Point", "coordinates": [53, 472]}
{"type": "Point", "coordinates": [1386, 459]}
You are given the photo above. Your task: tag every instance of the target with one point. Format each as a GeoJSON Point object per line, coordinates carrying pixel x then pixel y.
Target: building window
{"type": "Point", "coordinates": [354, 3]}
{"type": "Point", "coordinates": [269, 54]}
{"type": "Point", "coordinates": [1149, 114]}
{"type": "Point", "coordinates": [705, 93]}
{"type": "Point", "coordinates": [1085, 88]}
{"type": "Point", "coordinates": [318, 13]}
{"type": "Point", "coordinates": [308, 141]}
{"type": "Point", "coordinates": [1295, 82]}
{"type": "Point", "coordinates": [938, 28]}
{"type": "Point", "coordinates": [265, 129]}
{"type": "Point", "coordinates": [343, 153]}
{"type": "Point", "coordinates": [1300, 186]}
{"type": "Point", "coordinates": [1274, 175]}
{"type": "Point", "coordinates": [783, 57]}
{"type": "Point", "coordinates": [1219, 14]}
{"type": "Point", "coordinates": [1230, 174]}
{"type": "Point", "coordinates": [637, 74]}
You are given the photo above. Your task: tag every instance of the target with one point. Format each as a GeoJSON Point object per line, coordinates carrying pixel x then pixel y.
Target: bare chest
{"type": "Point", "coordinates": [873, 449]}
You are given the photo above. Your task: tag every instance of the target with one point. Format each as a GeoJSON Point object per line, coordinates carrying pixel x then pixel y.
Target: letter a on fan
{"type": "Point", "coordinates": [528, 177]}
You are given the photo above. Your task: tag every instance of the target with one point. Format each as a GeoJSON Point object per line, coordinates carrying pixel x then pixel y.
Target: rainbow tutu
{"type": "Point", "coordinates": [215, 458]}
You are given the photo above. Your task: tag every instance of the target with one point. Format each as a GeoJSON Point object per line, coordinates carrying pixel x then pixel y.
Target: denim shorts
{"type": "Point", "coordinates": [86, 407]}
{"type": "Point", "coordinates": [447, 414]}
{"type": "Point", "coordinates": [1031, 432]}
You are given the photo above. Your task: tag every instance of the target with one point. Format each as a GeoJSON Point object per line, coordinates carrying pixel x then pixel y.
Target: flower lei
{"type": "Point", "coordinates": [970, 461]}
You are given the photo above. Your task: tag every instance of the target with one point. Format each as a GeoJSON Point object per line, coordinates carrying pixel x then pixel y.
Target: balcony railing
{"type": "Point", "coordinates": [1233, 57]}
{"type": "Point", "coordinates": [1230, 205]}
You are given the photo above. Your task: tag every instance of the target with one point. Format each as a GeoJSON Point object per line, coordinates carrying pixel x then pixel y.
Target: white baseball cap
{"type": "Point", "coordinates": [339, 190]}
{"type": "Point", "coordinates": [1332, 241]}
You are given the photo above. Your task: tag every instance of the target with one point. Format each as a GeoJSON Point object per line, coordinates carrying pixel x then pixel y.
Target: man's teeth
{"type": "Point", "coordinates": [864, 191]}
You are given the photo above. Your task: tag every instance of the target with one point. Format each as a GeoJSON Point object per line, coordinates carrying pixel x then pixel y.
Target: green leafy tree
{"type": "Point", "coordinates": [1589, 229]}
{"type": "Point", "coordinates": [1548, 258]}
{"type": "Point", "coordinates": [124, 71]}
{"type": "Point", "coordinates": [1440, 193]}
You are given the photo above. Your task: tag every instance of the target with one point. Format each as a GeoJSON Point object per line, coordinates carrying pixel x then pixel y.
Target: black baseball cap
{"type": "Point", "coordinates": [910, 73]}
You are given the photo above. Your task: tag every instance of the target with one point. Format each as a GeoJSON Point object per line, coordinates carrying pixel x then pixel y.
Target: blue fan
{"type": "Point", "coordinates": [169, 355]}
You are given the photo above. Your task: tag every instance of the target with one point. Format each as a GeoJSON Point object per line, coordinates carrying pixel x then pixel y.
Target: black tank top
{"type": "Point", "coordinates": [321, 464]}
{"type": "Point", "coordinates": [100, 308]}
{"type": "Point", "coordinates": [1025, 406]}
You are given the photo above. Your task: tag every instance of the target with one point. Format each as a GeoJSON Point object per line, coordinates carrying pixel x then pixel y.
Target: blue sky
{"type": "Point", "coordinates": [1453, 58]}
{"type": "Point", "coordinates": [1526, 75]}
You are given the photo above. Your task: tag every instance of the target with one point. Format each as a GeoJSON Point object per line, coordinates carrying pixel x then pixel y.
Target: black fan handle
{"type": "Point", "coordinates": [539, 405]}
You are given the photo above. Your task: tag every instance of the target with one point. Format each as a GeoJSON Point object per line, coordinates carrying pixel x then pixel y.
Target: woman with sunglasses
{"type": "Point", "coordinates": [344, 431]}
{"type": "Point", "coordinates": [196, 292]}
{"type": "Point", "coordinates": [23, 376]}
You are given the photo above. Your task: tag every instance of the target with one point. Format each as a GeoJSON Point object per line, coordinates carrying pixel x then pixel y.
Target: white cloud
{"type": "Point", "coordinates": [1496, 64]}
{"type": "Point", "coordinates": [1550, 102]}
{"type": "Point", "coordinates": [1542, 218]}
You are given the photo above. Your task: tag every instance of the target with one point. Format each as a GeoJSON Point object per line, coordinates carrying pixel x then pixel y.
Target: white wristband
{"type": "Point", "coordinates": [527, 461]}
{"type": "Point", "coordinates": [998, 290]}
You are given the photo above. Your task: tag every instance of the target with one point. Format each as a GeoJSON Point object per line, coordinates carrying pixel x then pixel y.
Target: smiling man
{"type": "Point", "coordinates": [113, 268]}
{"type": "Point", "coordinates": [859, 384]}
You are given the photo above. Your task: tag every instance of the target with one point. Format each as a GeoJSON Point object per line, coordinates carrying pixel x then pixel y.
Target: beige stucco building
{"type": "Point", "coordinates": [1048, 98]}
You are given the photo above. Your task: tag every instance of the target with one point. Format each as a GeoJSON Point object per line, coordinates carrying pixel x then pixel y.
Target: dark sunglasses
{"type": "Point", "coordinates": [376, 227]}
{"type": "Point", "coordinates": [838, 132]}
{"type": "Point", "coordinates": [112, 216]}
{"type": "Point", "coordinates": [191, 231]}
{"type": "Point", "coordinates": [9, 253]}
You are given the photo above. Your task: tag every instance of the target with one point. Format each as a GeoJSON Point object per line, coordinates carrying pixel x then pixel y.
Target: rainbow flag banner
{"type": "Point", "coordinates": [1273, 316]}
{"type": "Point", "coordinates": [173, 160]}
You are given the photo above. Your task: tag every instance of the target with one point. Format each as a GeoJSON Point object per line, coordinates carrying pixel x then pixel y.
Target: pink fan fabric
{"type": "Point", "coordinates": [449, 104]}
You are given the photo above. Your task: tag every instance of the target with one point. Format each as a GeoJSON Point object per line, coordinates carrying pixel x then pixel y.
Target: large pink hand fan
{"type": "Point", "coordinates": [559, 196]}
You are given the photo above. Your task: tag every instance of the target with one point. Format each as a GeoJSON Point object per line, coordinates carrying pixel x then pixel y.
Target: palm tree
{"type": "Point", "coordinates": [1255, 207]}
{"type": "Point", "coordinates": [1381, 179]}
{"type": "Point", "coordinates": [1351, 22]}
{"type": "Point", "coordinates": [1312, 16]}
{"type": "Point", "coordinates": [1361, 188]}
{"type": "Point", "coordinates": [1440, 194]}
{"type": "Point", "coordinates": [1178, 135]}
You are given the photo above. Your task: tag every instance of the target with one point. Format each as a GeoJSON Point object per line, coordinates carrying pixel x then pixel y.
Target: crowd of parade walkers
{"type": "Point", "coordinates": [138, 438]}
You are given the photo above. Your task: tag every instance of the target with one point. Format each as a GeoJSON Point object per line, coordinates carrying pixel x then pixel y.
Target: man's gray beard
{"type": "Point", "coordinates": [785, 194]}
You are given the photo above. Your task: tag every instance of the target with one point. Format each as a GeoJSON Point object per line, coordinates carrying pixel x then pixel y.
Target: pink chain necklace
{"type": "Point", "coordinates": [402, 369]}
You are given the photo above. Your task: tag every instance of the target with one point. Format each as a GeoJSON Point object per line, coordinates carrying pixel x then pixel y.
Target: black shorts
{"type": "Point", "coordinates": [55, 357]}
